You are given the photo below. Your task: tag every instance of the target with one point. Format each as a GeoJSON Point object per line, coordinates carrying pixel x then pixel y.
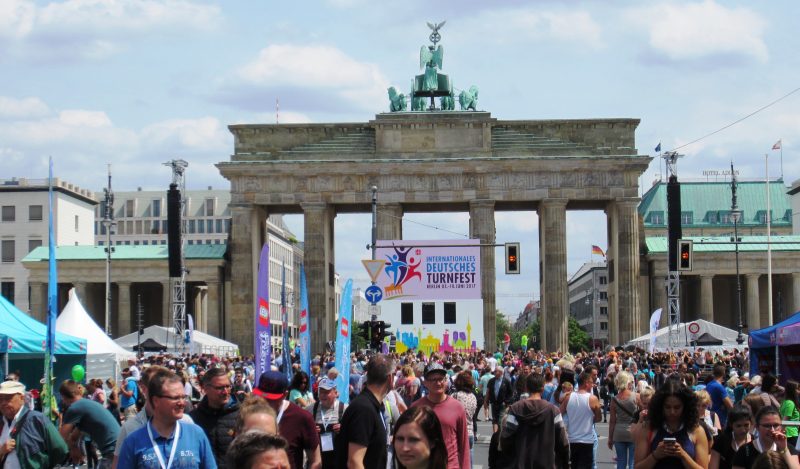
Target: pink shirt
{"type": "Point", "coordinates": [453, 419]}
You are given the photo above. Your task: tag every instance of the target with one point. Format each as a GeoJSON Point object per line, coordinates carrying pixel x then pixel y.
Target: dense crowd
{"type": "Point", "coordinates": [693, 409]}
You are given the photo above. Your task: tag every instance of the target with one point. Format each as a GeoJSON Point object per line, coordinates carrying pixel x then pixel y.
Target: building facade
{"type": "Point", "coordinates": [588, 301]}
{"type": "Point", "coordinates": [24, 227]}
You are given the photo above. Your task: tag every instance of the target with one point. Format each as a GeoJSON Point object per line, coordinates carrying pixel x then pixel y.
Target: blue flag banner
{"type": "Point", "coordinates": [287, 358]}
{"type": "Point", "coordinates": [658, 147]}
{"type": "Point", "coordinates": [52, 307]}
{"type": "Point", "coordinates": [305, 334]}
{"type": "Point", "coordinates": [343, 343]}
{"type": "Point", "coordinates": [263, 338]}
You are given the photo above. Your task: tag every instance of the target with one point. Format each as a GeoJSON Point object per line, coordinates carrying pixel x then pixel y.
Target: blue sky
{"type": "Point", "coordinates": [138, 82]}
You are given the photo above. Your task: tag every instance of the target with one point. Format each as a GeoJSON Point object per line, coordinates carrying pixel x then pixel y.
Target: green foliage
{"type": "Point", "coordinates": [501, 326]}
{"type": "Point", "coordinates": [578, 338]}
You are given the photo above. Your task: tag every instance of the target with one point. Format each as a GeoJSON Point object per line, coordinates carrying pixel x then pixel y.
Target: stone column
{"type": "Point", "coordinates": [659, 298]}
{"type": "Point", "coordinates": [318, 259]}
{"type": "Point", "coordinates": [612, 233]}
{"type": "Point", "coordinates": [166, 303]}
{"type": "Point", "coordinates": [753, 303]}
{"type": "Point", "coordinates": [481, 223]}
{"type": "Point", "coordinates": [38, 305]}
{"type": "Point", "coordinates": [246, 222]}
{"type": "Point", "coordinates": [124, 308]}
{"type": "Point", "coordinates": [553, 252]}
{"type": "Point", "coordinates": [214, 309]}
{"type": "Point", "coordinates": [627, 255]}
{"type": "Point", "coordinates": [795, 292]}
{"type": "Point", "coordinates": [707, 297]}
{"type": "Point", "coordinates": [390, 221]}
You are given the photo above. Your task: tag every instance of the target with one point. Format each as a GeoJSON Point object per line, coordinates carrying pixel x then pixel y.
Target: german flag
{"type": "Point", "coordinates": [596, 250]}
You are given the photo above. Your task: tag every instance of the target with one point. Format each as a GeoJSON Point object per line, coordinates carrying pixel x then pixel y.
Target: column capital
{"type": "Point", "coordinates": [707, 276]}
{"type": "Point", "coordinates": [310, 206]}
{"type": "Point", "coordinates": [482, 203]}
{"type": "Point", "coordinates": [628, 201]}
{"type": "Point", "coordinates": [551, 202]}
{"type": "Point", "coordinates": [752, 276]}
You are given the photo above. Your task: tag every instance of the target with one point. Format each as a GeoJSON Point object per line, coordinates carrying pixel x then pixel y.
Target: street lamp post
{"type": "Point", "coordinates": [736, 215]}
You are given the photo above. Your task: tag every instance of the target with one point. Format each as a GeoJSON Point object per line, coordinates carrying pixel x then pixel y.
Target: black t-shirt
{"type": "Point", "coordinates": [748, 453]}
{"type": "Point", "coordinates": [722, 445]}
{"type": "Point", "coordinates": [362, 424]}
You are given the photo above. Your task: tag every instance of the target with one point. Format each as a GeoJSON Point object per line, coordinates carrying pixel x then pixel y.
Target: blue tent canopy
{"type": "Point", "coordinates": [763, 343]}
{"type": "Point", "coordinates": [768, 336]}
{"type": "Point", "coordinates": [21, 334]}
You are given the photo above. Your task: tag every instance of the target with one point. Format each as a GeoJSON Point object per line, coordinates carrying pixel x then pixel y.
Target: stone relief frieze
{"type": "Point", "coordinates": [251, 184]}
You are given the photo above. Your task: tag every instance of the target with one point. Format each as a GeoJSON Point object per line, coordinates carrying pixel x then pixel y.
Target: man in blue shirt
{"type": "Point", "coordinates": [128, 394]}
{"type": "Point", "coordinates": [90, 417]}
{"type": "Point", "coordinates": [720, 402]}
{"type": "Point", "coordinates": [165, 441]}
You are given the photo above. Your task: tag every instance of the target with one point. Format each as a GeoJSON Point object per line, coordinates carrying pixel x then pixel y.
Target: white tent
{"type": "Point", "coordinates": [201, 342]}
{"type": "Point", "coordinates": [707, 335]}
{"type": "Point", "coordinates": [103, 357]}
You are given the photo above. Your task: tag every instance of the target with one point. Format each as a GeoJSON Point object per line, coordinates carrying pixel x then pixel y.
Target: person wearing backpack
{"type": "Point", "coordinates": [327, 414]}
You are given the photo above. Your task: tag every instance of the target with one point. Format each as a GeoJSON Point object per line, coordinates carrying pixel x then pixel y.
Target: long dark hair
{"type": "Point", "coordinates": [791, 391]}
{"type": "Point", "coordinates": [297, 381]}
{"type": "Point", "coordinates": [429, 423]}
{"type": "Point", "coordinates": [671, 388]}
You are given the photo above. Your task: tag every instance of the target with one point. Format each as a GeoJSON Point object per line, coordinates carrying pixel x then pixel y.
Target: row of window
{"type": "Point", "coordinates": [135, 227]}
{"type": "Point", "coordinates": [9, 247]}
{"type": "Point", "coordinates": [156, 242]}
{"type": "Point", "coordinates": [428, 313]}
{"type": "Point", "coordinates": [9, 213]}
{"type": "Point", "coordinates": [129, 208]}
{"type": "Point", "coordinates": [722, 217]}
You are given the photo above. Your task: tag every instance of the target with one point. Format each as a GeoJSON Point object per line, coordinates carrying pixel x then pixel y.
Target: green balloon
{"type": "Point", "coordinates": [78, 372]}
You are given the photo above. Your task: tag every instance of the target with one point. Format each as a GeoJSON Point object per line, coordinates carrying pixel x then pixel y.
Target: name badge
{"type": "Point", "coordinates": [327, 441]}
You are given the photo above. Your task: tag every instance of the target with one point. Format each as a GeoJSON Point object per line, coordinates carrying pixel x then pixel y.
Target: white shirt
{"type": "Point", "coordinates": [12, 461]}
{"type": "Point", "coordinates": [135, 373]}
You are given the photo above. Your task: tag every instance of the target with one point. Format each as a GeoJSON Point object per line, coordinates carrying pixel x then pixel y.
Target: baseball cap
{"type": "Point", "coordinates": [327, 384]}
{"type": "Point", "coordinates": [12, 387]}
{"type": "Point", "coordinates": [272, 385]}
{"type": "Point", "coordinates": [434, 367]}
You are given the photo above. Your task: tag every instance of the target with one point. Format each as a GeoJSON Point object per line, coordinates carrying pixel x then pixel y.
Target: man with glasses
{"type": "Point", "coordinates": [217, 412]}
{"type": "Point", "coordinates": [451, 413]}
{"type": "Point", "coordinates": [771, 437]}
{"type": "Point", "coordinates": [90, 417]}
{"type": "Point", "coordinates": [165, 441]}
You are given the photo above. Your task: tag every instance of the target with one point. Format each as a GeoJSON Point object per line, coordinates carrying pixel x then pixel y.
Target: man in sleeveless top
{"type": "Point", "coordinates": [583, 411]}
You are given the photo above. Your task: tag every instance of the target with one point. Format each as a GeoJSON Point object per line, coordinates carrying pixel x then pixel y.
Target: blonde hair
{"type": "Point", "coordinates": [623, 380]}
{"type": "Point", "coordinates": [251, 406]}
{"type": "Point", "coordinates": [703, 397]}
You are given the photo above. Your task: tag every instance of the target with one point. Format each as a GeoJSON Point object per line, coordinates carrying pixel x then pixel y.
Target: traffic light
{"type": "Point", "coordinates": [364, 332]}
{"type": "Point", "coordinates": [384, 328]}
{"type": "Point", "coordinates": [684, 254]}
{"type": "Point", "coordinates": [512, 258]}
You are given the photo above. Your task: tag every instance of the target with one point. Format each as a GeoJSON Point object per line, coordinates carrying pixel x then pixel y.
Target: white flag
{"type": "Point", "coordinates": [655, 319]}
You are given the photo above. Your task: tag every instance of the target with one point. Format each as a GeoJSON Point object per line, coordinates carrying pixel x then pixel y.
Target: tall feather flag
{"type": "Point", "coordinates": [343, 337]}
{"type": "Point", "coordinates": [655, 320]}
{"type": "Point", "coordinates": [596, 250]}
{"type": "Point", "coordinates": [52, 310]}
{"type": "Point", "coordinates": [262, 338]}
{"type": "Point", "coordinates": [305, 334]}
{"type": "Point", "coordinates": [286, 354]}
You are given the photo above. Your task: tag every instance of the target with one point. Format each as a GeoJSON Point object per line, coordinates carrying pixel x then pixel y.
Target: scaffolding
{"type": "Point", "coordinates": [178, 284]}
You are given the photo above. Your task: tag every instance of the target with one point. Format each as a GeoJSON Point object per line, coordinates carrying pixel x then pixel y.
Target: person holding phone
{"type": "Point", "coordinates": [771, 437]}
{"type": "Point", "coordinates": [673, 438]}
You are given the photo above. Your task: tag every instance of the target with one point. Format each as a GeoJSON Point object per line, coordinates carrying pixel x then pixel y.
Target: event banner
{"type": "Point", "coordinates": [263, 341]}
{"type": "Point", "coordinates": [286, 359]}
{"type": "Point", "coordinates": [305, 334]}
{"type": "Point", "coordinates": [343, 343]}
{"type": "Point", "coordinates": [430, 270]}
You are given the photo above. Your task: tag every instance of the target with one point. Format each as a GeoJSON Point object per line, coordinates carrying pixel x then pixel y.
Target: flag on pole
{"type": "Point", "coordinates": [658, 147]}
{"type": "Point", "coordinates": [777, 145]}
{"type": "Point", "coordinates": [263, 339]}
{"type": "Point", "coordinates": [52, 309]}
{"type": "Point", "coordinates": [596, 250]}
{"type": "Point", "coordinates": [343, 338]}
{"type": "Point", "coordinates": [305, 334]}
{"type": "Point", "coordinates": [655, 320]}
{"type": "Point", "coordinates": [286, 354]}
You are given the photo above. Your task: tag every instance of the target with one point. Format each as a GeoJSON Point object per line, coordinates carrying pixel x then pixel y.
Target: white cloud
{"type": "Point", "coordinates": [698, 30]}
{"type": "Point", "coordinates": [16, 18]}
{"type": "Point", "coordinates": [205, 133]}
{"type": "Point", "coordinates": [25, 108]}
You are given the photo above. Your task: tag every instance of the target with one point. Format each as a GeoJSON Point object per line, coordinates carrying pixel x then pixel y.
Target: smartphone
{"type": "Point", "coordinates": [670, 441]}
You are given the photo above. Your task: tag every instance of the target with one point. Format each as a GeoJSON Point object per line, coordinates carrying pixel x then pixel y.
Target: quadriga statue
{"type": "Point", "coordinates": [397, 101]}
{"type": "Point", "coordinates": [468, 99]}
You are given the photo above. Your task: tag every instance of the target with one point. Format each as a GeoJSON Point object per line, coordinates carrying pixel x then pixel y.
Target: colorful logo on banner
{"type": "Point", "coordinates": [343, 343]}
{"type": "Point", "coordinates": [263, 312]}
{"type": "Point", "coordinates": [262, 338]}
{"type": "Point", "coordinates": [430, 270]}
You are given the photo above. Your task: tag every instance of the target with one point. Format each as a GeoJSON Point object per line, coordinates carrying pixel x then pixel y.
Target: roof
{"type": "Point", "coordinates": [94, 253]}
{"type": "Point", "coordinates": [586, 268]}
{"type": "Point", "coordinates": [706, 201]}
{"type": "Point", "coordinates": [659, 244]}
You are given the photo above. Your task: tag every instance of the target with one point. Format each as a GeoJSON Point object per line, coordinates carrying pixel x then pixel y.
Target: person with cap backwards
{"type": "Point", "coordinates": [165, 442]}
{"type": "Point", "coordinates": [216, 414]}
{"type": "Point", "coordinates": [363, 436]}
{"type": "Point", "coordinates": [87, 416]}
{"type": "Point", "coordinates": [327, 413]}
{"type": "Point", "coordinates": [294, 423]}
{"type": "Point", "coordinates": [452, 416]}
{"type": "Point", "coordinates": [28, 439]}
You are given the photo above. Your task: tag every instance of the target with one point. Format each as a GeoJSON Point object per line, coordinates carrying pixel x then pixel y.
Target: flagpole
{"type": "Point", "coordinates": [769, 242]}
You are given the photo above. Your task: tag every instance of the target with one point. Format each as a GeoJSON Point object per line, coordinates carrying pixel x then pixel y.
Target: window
{"type": "Point", "coordinates": [428, 313]}
{"type": "Point", "coordinates": [406, 313]}
{"type": "Point", "coordinates": [8, 250]}
{"type": "Point", "coordinates": [135, 242]}
{"type": "Point", "coordinates": [656, 218]}
{"type": "Point", "coordinates": [129, 227]}
{"type": "Point", "coordinates": [201, 227]}
{"type": "Point", "coordinates": [209, 226]}
{"type": "Point", "coordinates": [121, 227]}
{"type": "Point", "coordinates": [712, 217]}
{"type": "Point", "coordinates": [604, 310]}
{"type": "Point", "coordinates": [154, 227]}
{"type": "Point", "coordinates": [139, 228]}
{"type": "Point", "coordinates": [686, 218]}
{"type": "Point", "coordinates": [603, 295]}
{"type": "Point", "coordinates": [603, 280]}
{"type": "Point", "coordinates": [219, 225]}
{"type": "Point", "coordinates": [449, 313]}
{"type": "Point", "coordinates": [127, 243]}
{"type": "Point", "coordinates": [164, 226]}
{"type": "Point", "coordinates": [7, 290]}
{"type": "Point", "coordinates": [209, 208]}
{"type": "Point", "coordinates": [603, 326]}
{"type": "Point", "coordinates": [129, 206]}
{"type": "Point", "coordinates": [156, 208]}
{"type": "Point", "coordinates": [191, 241]}
{"type": "Point", "coordinates": [762, 217]}
{"type": "Point", "coordinates": [34, 213]}
{"type": "Point", "coordinates": [725, 218]}
{"type": "Point", "coordinates": [77, 224]}
{"type": "Point", "coordinates": [191, 229]}
{"type": "Point", "coordinates": [216, 241]}
{"type": "Point", "coordinates": [33, 244]}
{"type": "Point", "coordinates": [9, 213]}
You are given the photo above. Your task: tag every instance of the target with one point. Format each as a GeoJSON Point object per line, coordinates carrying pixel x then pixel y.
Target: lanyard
{"type": "Point", "coordinates": [280, 414]}
{"type": "Point", "coordinates": [335, 409]}
{"type": "Point", "coordinates": [174, 445]}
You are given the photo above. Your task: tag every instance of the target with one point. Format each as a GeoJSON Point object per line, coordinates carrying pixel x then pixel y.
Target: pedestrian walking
{"type": "Point", "coordinates": [217, 412]}
{"type": "Point", "coordinates": [583, 411]}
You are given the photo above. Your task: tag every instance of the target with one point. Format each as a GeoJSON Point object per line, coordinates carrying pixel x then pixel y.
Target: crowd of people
{"type": "Point", "coordinates": [691, 409]}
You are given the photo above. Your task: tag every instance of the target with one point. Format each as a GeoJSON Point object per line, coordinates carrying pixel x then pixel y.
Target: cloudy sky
{"type": "Point", "coordinates": [138, 82]}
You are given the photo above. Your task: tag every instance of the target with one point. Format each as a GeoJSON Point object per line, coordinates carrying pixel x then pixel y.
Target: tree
{"type": "Point", "coordinates": [501, 326]}
{"type": "Point", "coordinates": [356, 341]}
{"type": "Point", "coordinates": [578, 338]}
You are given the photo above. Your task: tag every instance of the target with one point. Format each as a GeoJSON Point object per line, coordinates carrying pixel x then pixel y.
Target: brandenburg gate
{"type": "Point", "coordinates": [439, 161]}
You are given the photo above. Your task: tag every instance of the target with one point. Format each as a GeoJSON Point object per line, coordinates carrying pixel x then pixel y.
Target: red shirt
{"type": "Point", "coordinates": [453, 419]}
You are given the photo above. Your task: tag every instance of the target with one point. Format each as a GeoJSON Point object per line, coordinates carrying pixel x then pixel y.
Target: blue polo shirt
{"type": "Point", "coordinates": [193, 451]}
{"type": "Point", "coordinates": [132, 386]}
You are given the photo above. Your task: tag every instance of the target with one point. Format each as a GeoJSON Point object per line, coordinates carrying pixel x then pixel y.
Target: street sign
{"type": "Point", "coordinates": [374, 268]}
{"type": "Point", "coordinates": [374, 310]}
{"type": "Point", "coordinates": [694, 330]}
{"type": "Point", "coordinates": [373, 293]}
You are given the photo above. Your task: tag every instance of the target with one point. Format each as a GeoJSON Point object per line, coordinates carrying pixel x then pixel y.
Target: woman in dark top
{"type": "Point", "coordinates": [771, 437]}
{"type": "Point", "coordinates": [735, 435]}
{"type": "Point", "coordinates": [673, 439]}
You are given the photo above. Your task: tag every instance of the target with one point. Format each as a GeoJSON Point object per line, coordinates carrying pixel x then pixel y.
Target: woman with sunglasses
{"type": "Point", "coordinates": [299, 391]}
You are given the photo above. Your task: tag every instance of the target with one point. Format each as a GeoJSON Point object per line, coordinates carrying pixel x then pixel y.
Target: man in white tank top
{"type": "Point", "coordinates": [582, 409]}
